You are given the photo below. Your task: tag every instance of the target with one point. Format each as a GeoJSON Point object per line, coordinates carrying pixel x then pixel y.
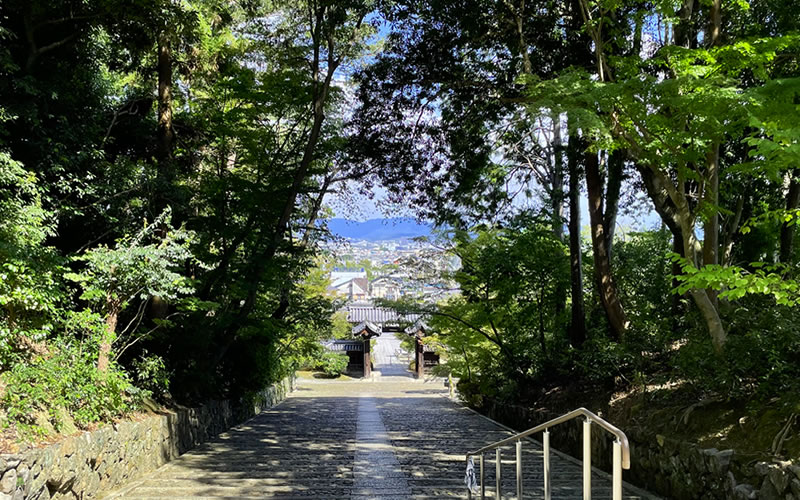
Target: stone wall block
{"type": "Point", "coordinates": [794, 486]}
{"type": "Point", "coordinates": [9, 482]}
{"type": "Point", "coordinates": [768, 491]}
{"type": "Point", "coordinates": [778, 478]}
{"type": "Point", "coordinates": [744, 492]}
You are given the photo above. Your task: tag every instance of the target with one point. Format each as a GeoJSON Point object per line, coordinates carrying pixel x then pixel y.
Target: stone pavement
{"type": "Point", "coordinates": [391, 438]}
{"type": "Point", "coordinates": [390, 359]}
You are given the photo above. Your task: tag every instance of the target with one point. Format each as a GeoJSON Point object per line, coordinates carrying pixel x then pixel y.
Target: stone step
{"type": "Point", "coordinates": [270, 475]}
{"type": "Point", "coordinates": [387, 440]}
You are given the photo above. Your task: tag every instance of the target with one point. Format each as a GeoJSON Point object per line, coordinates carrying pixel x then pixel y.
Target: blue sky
{"type": "Point", "coordinates": [363, 208]}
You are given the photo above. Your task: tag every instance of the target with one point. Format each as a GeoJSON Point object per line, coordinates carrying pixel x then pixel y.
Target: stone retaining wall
{"type": "Point", "coordinates": [87, 465]}
{"type": "Point", "coordinates": [666, 466]}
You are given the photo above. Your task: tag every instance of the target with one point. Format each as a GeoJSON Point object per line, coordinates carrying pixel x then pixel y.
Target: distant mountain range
{"type": "Point", "coordinates": [379, 229]}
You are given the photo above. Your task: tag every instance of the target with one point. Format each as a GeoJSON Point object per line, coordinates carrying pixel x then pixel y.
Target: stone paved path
{"type": "Point", "coordinates": [394, 438]}
{"type": "Point", "coordinates": [390, 359]}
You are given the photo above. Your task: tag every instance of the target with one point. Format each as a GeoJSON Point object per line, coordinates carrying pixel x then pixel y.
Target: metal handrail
{"type": "Point", "coordinates": [580, 412]}
{"type": "Point", "coordinates": [621, 459]}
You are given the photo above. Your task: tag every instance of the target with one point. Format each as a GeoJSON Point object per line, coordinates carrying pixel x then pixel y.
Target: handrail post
{"type": "Point", "coordinates": [519, 470]}
{"type": "Point", "coordinates": [469, 489]}
{"type": "Point", "coordinates": [498, 475]}
{"type": "Point", "coordinates": [483, 485]}
{"type": "Point", "coordinates": [621, 454]}
{"type": "Point", "coordinates": [616, 479]}
{"type": "Point", "coordinates": [587, 459]}
{"type": "Point", "coordinates": [546, 456]}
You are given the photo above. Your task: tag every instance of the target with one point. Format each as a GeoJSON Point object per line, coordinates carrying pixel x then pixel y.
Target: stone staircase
{"type": "Point", "coordinates": [394, 439]}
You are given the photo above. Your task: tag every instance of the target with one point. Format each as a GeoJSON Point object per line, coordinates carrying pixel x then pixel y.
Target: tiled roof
{"type": "Point", "coordinates": [418, 327]}
{"type": "Point", "coordinates": [378, 315]}
{"type": "Point", "coordinates": [344, 345]}
{"type": "Point", "coordinates": [367, 329]}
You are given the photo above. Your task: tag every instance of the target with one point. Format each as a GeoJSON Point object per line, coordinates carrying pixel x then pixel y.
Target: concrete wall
{"type": "Point", "coordinates": [666, 466]}
{"type": "Point", "coordinates": [86, 465]}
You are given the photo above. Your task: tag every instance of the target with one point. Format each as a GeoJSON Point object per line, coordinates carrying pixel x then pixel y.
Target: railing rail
{"type": "Point", "coordinates": [620, 460]}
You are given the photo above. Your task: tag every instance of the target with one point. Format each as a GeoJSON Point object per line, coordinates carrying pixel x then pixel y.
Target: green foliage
{"type": "Point", "coordinates": [407, 343]}
{"type": "Point", "coordinates": [771, 217]}
{"type": "Point", "coordinates": [760, 360]}
{"type": "Point", "coordinates": [501, 329]}
{"type": "Point", "coordinates": [231, 295]}
{"type": "Point", "coordinates": [332, 364]}
{"type": "Point", "coordinates": [735, 282]}
{"type": "Point", "coordinates": [151, 374]}
{"type": "Point", "coordinates": [644, 277]}
{"type": "Point", "coordinates": [340, 327]}
{"type": "Point", "coordinates": [219, 295]}
{"type": "Point", "coordinates": [67, 378]}
{"type": "Point", "coordinates": [601, 360]}
{"type": "Point", "coordinates": [29, 290]}
{"type": "Point", "coordinates": [775, 118]}
{"type": "Point", "coordinates": [138, 267]}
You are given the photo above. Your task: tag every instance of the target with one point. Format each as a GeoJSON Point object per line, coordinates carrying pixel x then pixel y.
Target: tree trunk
{"type": "Point", "coordinates": [711, 227]}
{"type": "Point", "coordinates": [673, 206]}
{"type": "Point", "coordinates": [715, 23]}
{"type": "Point", "coordinates": [731, 227]}
{"type": "Point", "coordinates": [787, 228]}
{"type": "Point", "coordinates": [541, 323]}
{"type": "Point", "coordinates": [104, 356]}
{"type": "Point", "coordinates": [713, 321]}
{"type": "Point", "coordinates": [602, 264]}
{"type": "Point", "coordinates": [676, 310]}
{"type": "Point", "coordinates": [164, 141]}
{"type": "Point", "coordinates": [701, 298]}
{"type": "Point", "coordinates": [683, 36]}
{"type": "Point", "coordinates": [636, 46]}
{"type": "Point", "coordinates": [614, 185]}
{"type": "Point", "coordinates": [557, 180]}
{"type": "Point", "coordinates": [166, 134]}
{"type": "Point", "coordinates": [557, 206]}
{"type": "Point", "coordinates": [577, 329]}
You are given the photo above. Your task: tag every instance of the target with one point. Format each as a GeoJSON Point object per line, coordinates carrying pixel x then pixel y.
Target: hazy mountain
{"type": "Point", "coordinates": [379, 229]}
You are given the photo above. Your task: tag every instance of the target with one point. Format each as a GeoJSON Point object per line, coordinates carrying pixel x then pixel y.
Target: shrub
{"type": "Point", "coordinates": [332, 364]}
{"type": "Point", "coordinates": [151, 373]}
{"type": "Point", "coordinates": [67, 378]}
{"type": "Point", "coordinates": [760, 357]}
{"type": "Point", "coordinates": [29, 288]}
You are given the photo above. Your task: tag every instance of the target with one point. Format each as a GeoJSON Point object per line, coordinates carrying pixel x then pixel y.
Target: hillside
{"type": "Point", "coordinates": [379, 229]}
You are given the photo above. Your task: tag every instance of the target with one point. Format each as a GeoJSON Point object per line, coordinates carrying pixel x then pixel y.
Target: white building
{"type": "Point", "coordinates": [350, 283]}
{"type": "Point", "coordinates": [385, 288]}
{"type": "Point", "coordinates": [340, 275]}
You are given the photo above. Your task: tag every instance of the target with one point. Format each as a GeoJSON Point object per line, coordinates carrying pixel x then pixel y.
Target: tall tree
{"type": "Point", "coordinates": [601, 220]}
{"type": "Point", "coordinates": [578, 316]}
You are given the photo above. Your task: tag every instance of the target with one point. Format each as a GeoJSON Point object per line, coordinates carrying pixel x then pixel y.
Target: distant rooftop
{"type": "Point", "coordinates": [365, 312]}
